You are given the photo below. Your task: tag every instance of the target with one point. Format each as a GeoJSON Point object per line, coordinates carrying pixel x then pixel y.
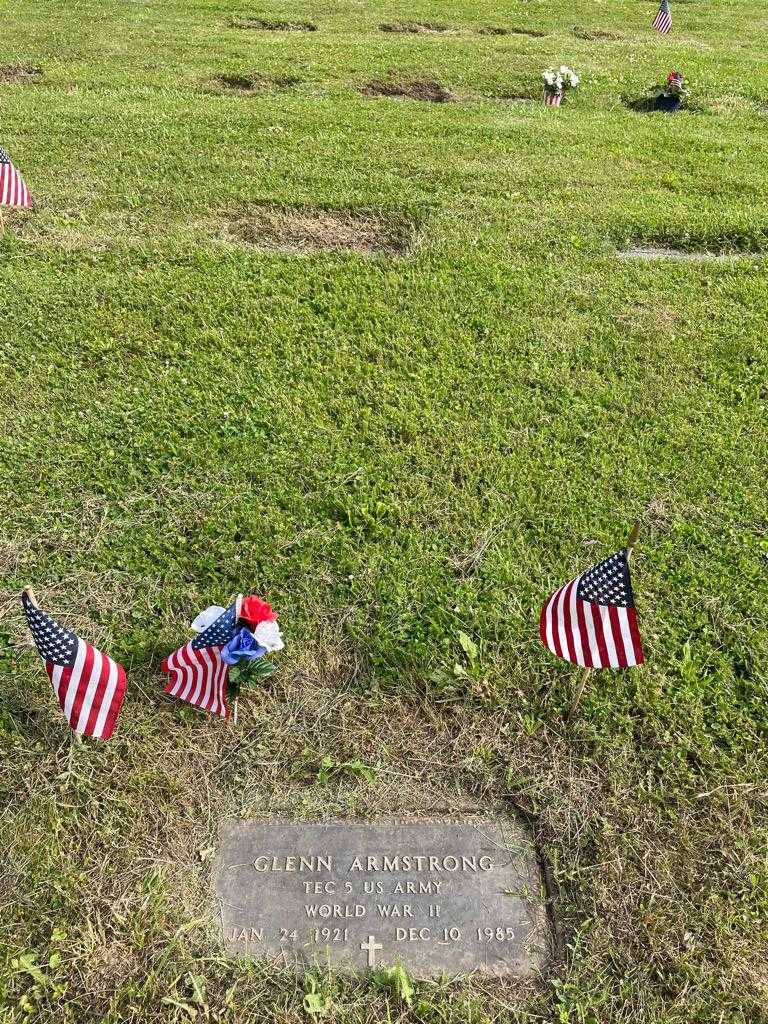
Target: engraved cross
{"type": "Point", "coordinates": [370, 947]}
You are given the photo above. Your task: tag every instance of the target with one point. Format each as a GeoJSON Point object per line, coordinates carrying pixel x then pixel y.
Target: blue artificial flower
{"type": "Point", "coordinates": [242, 647]}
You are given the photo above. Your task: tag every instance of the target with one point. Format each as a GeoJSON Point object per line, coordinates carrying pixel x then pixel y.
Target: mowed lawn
{"type": "Point", "coordinates": [404, 451]}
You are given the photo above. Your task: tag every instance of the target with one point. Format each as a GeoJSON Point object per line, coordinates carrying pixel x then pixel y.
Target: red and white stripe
{"type": "Point", "coordinates": [13, 188]}
{"type": "Point", "coordinates": [91, 692]}
{"type": "Point", "coordinates": [663, 20]}
{"type": "Point", "coordinates": [199, 678]}
{"type": "Point", "coordinates": [553, 99]}
{"type": "Point", "coordinates": [590, 634]}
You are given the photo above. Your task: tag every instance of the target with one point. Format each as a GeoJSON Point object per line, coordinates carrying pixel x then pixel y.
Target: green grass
{"type": "Point", "coordinates": [185, 416]}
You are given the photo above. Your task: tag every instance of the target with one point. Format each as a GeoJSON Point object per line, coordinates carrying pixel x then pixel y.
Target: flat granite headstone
{"type": "Point", "coordinates": [436, 896]}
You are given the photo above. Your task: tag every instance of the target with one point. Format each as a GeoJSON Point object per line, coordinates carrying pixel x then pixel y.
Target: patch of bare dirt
{"type": "Point", "coordinates": [249, 85]}
{"type": "Point", "coordinates": [426, 90]}
{"type": "Point", "coordinates": [311, 230]}
{"type": "Point", "coordinates": [414, 27]}
{"type": "Point", "coordinates": [272, 25]}
{"type": "Point", "coordinates": [19, 72]}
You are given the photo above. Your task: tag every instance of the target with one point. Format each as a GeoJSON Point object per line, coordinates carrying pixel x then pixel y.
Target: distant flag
{"type": "Point", "coordinates": [592, 621]}
{"type": "Point", "coordinates": [198, 673]}
{"type": "Point", "coordinates": [90, 685]}
{"type": "Point", "coordinates": [13, 188]}
{"type": "Point", "coordinates": [663, 20]}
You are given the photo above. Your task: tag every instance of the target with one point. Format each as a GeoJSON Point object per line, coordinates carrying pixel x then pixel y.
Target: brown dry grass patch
{"type": "Point", "coordinates": [312, 230]}
{"type": "Point", "coordinates": [426, 90]}
{"type": "Point", "coordinates": [19, 73]}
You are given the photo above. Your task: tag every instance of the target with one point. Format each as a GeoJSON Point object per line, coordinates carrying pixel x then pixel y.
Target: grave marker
{"type": "Point", "coordinates": [436, 896]}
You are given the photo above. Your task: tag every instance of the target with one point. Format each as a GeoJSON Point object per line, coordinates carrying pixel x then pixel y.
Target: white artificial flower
{"type": "Point", "coordinates": [204, 619]}
{"type": "Point", "coordinates": [574, 79]}
{"type": "Point", "coordinates": [549, 77]}
{"type": "Point", "coordinates": [564, 70]}
{"type": "Point", "coordinates": [268, 635]}
{"type": "Point", "coordinates": [559, 82]}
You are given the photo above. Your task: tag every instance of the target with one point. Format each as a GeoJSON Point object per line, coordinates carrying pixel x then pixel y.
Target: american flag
{"type": "Point", "coordinates": [553, 99]}
{"type": "Point", "coordinates": [198, 673]}
{"type": "Point", "coordinates": [663, 20]}
{"type": "Point", "coordinates": [592, 621]}
{"type": "Point", "coordinates": [90, 685]}
{"type": "Point", "coordinates": [13, 188]}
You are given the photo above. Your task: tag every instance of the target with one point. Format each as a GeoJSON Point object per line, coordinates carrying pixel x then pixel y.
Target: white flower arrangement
{"type": "Point", "coordinates": [558, 80]}
{"type": "Point", "coordinates": [269, 636]}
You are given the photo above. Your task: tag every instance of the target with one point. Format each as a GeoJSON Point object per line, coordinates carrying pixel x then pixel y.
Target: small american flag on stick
{"type": "Point", "coordinates": [591, 620]}
{"type": "Point", "coordinates": [13, 188]}
{"type": "Point", "coordinates": [663, 20]}
{"type": "Point", "coordinates": [90, 685]}
{"type": "Point", "coordinates": [198, 673]}
{"type": "Point", "coordinates": [552, 99]}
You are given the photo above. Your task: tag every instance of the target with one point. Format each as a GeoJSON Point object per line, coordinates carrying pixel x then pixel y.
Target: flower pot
{"type": "Point", "coordinates": [553, 99]}
{"type": "Point", "coordinates": [668, 103]}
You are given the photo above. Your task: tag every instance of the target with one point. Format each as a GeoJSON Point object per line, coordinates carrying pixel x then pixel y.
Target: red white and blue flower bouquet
{"type": "Point", "coordinates": [228, 654]}
{"type": "Point", "coordinates": [673, 94]}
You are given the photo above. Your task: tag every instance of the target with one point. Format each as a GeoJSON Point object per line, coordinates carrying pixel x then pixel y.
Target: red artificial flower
{"type": "Point", "coordinates": [253, 611]}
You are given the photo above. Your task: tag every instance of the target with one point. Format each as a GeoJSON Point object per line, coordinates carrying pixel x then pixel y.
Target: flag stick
{"type": "Point", "coordinates": [629, 548]}
{"type": "Point", "coordinates": [632, 539]}
{"type": "Point", "coordinates": [2, 223]}
{"type": "Point", "coordinates": [234, 711]}
{"type": "Point", "coordinates": [577, 695]}
{"type": "Point", "coordinates": [28, 589]}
